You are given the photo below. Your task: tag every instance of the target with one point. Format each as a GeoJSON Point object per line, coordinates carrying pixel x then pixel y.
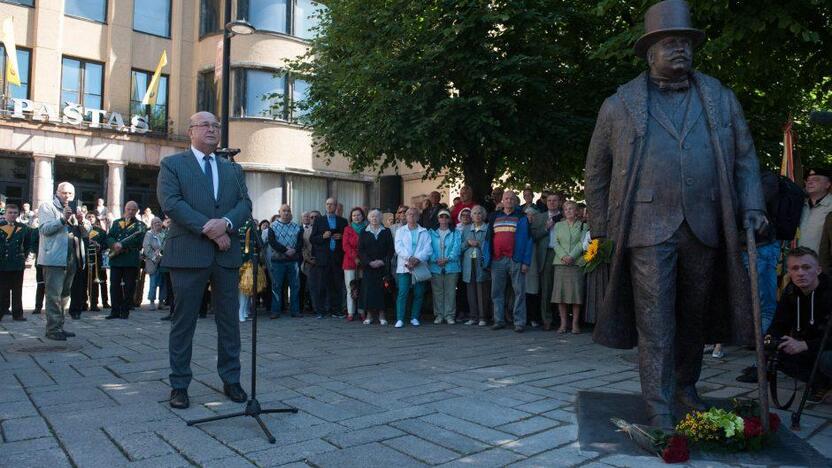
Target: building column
{"type": "Point", "coordinates": [43, 183]}
{"type": "Point", "coordinates": [115, 187]}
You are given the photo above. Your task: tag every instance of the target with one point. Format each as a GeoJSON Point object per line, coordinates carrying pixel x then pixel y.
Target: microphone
{"type": "Point", "coordinates": [227, 153]}
{"type": "Point", "coordinates": [821, 117]}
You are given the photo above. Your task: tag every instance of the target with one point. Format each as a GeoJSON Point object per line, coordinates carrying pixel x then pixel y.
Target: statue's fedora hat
{"type": "Point", "coordinates": [667, 18]}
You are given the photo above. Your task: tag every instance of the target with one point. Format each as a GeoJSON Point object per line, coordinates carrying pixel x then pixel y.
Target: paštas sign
{"type": "Point", "coordinates": [75, 114]}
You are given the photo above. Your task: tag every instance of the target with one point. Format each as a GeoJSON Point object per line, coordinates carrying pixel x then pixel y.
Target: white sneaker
{"type": "Point", "coordinates": [382, 322]}
{"type": "Point", "coordinates": [367, 322]}
{"type": "Point", "coordinates": [470, 322]}
{"type": "Point", "coordinates": [482, 323]}
{"type": "Point", "coordinates": [451, 321]}
{"type": "Point", "coordinates": [415, 322]}
{"type": "Point", "coordinates": [437, 320]}
{"type": "Point", "coordinates": [399, 324]}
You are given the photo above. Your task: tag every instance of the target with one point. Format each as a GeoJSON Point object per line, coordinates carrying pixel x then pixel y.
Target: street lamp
{"type": "Point", "coordinates": [233, 28]}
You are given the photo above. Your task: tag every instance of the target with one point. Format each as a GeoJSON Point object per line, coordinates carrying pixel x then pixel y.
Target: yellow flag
{"type": "Point", "coordinates": [153, 89]}
{"type": "Point", "coordinates": [12, 73]}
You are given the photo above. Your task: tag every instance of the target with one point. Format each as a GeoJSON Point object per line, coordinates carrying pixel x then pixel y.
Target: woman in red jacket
{"type": "Point", "coordinates": [351, 262]}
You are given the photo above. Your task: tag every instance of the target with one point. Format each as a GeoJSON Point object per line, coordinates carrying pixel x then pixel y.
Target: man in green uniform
{"type": "Point", "coordinates": [125, 243]}
{"type": "Point", "coordinates": [97, 241]}
{"type": "Point", "coordinates": [15, 245]}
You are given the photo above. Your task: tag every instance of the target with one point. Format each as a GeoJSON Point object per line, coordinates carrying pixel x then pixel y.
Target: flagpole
{"type": "Point", "coordinates": [226, 76]}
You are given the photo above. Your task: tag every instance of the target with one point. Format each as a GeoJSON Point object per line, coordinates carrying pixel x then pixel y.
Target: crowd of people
{"type": "Point", "coordinates": [497, 263]}
{"type": "Point", "coordinates": [503, 262]}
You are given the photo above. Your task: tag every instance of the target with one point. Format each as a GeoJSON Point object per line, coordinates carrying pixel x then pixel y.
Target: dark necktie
{"type": "Point", "coordinates": [209, 172]}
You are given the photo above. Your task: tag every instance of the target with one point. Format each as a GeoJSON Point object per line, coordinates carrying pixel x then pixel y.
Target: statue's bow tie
{"type": "Point", "coordinates": [673, 85]}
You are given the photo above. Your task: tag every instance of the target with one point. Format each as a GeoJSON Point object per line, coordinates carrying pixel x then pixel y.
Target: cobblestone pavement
{"type": "Point", "coordinates": [367, 395]}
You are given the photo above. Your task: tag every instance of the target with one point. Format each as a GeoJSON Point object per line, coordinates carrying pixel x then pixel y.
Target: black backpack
{"type": "Point", "coordinates": [787, 208]}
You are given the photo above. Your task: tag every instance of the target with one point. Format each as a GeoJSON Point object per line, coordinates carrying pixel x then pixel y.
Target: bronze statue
{"type": "Point", "coordinates": [671, 178]}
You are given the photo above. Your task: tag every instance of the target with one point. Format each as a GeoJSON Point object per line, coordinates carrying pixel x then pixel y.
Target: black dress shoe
{"type": "Point", "coordinates": [235, 393]}
{"type": "Point", "coordinates": [113, 315]}
{"type": "Point", "coordinates": [56, 336]}
{"type": "Point", "coordinates": [67, 334]}
{"type": "Point", "coordinates": [19, 318]}
{"type": "Point", "coordinates": [75, 315]}
{"type": "Point", "coordinates": [36, 312]}
{"type": "Point", "coordinates": [179, 399]}
{"type": "Point", "coordinates": [95, 309]}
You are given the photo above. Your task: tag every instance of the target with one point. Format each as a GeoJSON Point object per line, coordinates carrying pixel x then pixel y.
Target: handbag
{"type": "Point", "coordinates": [420, 273]}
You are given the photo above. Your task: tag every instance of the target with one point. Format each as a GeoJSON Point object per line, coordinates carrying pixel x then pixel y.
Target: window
{"type": "Point", "coordinates": [206, 93]}
{"type": "Point", "coordinates": [95, 10]}
{"type": "Point", "coordinates": [295, 17]}
{"type": "Point", "coordinates": [29, 3]}
{"type": "Point", "coordinates": [305, 19]}
{"type": "Point", "coordinates": [306, 194]}
{"type": "Point", "coordinates": [82, 82]}
{"type": "Point", "coordinates": [266, 15]}
{"type": "Point", "coordinates": [261, 94]}
{"type": "Point", "coordinates": [300, 92]}
{"type": "Point", "coordinates": [12, 90]}
{"type": "Point", "coordinates": [351, 194]}
{"type": "Point", "coordinates": [152, 17]}
{"type": "Point", "coordinates": [140, 80]}
{"type": "Point", "coordinates": [209, 17]}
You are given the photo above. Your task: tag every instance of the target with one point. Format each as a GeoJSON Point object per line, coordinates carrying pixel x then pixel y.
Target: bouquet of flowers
{"type": "Point", "coordinates": [672, 448]}
{"type": "Point", "coordinates": [716, 430]}
{"type": "Point", "coordinates": [597, 252]}
{"type": "Point", "coordinates": [737, 430]}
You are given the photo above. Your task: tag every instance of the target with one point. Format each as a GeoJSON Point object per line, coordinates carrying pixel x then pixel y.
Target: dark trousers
{"type": "Point", "coordinates": [168, 288]}
{"type": "Point", "coordinates": [328, 289]}
{"type": "Point", "coordinates": [122, 294]}
{"type": "Point", "coordinates": [102, 289]}
{"type": "Point", "coordinates": [189, 286]}
{"type": "Point", "coordinates": [305, 298]}
{"type": "Point", "coordinates": [11, 290]}
{"type": "Point", "coordinates": [78, 293]}
{"type": "Point", "coordinates": [40, 290]}
{"type": "Point", "coordinates": [672, 283]}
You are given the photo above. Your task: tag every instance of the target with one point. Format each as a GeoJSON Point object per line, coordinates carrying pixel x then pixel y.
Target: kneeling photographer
{"type": "Point", "coordinates": [796, 333]}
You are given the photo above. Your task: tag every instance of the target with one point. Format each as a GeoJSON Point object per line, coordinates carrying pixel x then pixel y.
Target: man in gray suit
{"type": "Point", "coordinates": [206, 199]}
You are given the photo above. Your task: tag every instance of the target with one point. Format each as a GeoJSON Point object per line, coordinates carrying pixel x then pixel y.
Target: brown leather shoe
{"type": "Point", "coordinates": [179, 398]}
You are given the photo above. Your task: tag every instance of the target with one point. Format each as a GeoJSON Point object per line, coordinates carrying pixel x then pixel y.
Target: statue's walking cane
{"type": "Point", "coordinates": [762, 383]}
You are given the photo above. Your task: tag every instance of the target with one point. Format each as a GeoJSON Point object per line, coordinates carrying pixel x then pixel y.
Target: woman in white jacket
{"type": "Point", "coordinates": [412, 252]}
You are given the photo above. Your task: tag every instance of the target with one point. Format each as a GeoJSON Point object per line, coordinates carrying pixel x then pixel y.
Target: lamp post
{"type": "Point", "coordinates": [232, 28]}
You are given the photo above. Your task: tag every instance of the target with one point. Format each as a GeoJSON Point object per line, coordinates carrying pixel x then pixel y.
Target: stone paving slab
{"type": "Point", "coordinates": [368, 396]}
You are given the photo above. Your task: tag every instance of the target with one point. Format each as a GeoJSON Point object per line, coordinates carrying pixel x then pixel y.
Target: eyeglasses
{"type": "Point", "coordinates": [214, 125]}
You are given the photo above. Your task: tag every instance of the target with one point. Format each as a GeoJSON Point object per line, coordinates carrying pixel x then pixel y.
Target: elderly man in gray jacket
{"type": "Point", "coordinates": [59, 252]}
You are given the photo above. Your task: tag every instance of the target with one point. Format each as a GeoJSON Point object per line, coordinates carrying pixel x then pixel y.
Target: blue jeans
{"type": "Point", "coordinates": [767, 256]}
{"type": "Point", "coordinates": [502, 271]}
{"type": "Point", "coordinates": [288, 272]}
{"type": "Point", "coordinates": [404, 284]}
{"type": "Point", "coordinates": [156, 282]}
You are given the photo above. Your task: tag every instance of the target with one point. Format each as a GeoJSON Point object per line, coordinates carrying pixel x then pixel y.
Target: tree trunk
{"type": "Point", "coordinates": [478, 175]}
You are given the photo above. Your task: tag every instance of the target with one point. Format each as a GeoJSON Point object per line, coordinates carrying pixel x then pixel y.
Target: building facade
{"type": "Point", "coordinates": [86, 64]}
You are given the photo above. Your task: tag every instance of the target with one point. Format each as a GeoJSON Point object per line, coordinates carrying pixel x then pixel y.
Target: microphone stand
{"type": "Point", "coordinates": [253, 407]}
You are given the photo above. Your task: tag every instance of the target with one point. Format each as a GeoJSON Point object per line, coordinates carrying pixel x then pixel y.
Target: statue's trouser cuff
{"type": "Point", "coordinates": [672, 282]}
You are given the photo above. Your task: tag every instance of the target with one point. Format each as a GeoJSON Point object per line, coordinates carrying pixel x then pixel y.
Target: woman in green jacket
{"type": "Point", "coordinates": [568, 288]}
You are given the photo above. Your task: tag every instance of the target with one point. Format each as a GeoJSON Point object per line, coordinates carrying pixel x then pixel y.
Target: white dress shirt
{"type": "Point", "coordinates": [215, 175]}
{"type": "Point", "coordinates": [214, 171]}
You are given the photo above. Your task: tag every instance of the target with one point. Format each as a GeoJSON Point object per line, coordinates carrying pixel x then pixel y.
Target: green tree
{"type": "Point", "coordinates": [478, 89]}
{"type": "Point", "coordinates": [468, 88]}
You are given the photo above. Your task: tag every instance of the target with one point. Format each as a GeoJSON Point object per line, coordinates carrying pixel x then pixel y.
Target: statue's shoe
{"type": "Point", "coordinates": [688, 400]}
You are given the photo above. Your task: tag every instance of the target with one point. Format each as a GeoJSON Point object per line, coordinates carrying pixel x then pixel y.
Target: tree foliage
{"type": "Point", "coordinates": [476, 89]}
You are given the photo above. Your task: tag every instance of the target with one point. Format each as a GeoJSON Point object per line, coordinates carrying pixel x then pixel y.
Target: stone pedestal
{"type": "Point", "coordinates": [115, 187]}
{"type": "Point", "coordinates": [43, 183]}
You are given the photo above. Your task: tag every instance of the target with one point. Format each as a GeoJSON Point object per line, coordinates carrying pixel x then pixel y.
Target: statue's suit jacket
{"type": "Point", "coordinates": [623, 190]}
{"type": "Point", "coordinates": [187, 199]}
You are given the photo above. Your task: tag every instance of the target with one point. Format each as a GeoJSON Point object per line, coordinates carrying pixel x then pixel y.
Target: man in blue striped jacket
{"type": "Point", "coordinates": [511, 255]}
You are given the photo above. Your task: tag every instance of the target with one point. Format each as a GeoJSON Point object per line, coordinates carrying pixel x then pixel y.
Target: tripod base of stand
{"type": "Point", "coordinates": [252, 409]}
